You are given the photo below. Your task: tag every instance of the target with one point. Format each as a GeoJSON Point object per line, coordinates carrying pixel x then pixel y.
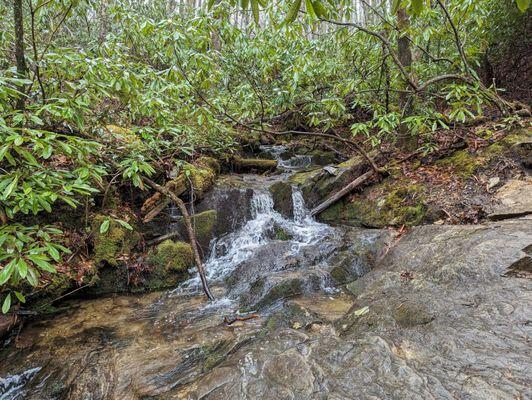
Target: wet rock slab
{"type": "Point", "coordinates": [438, 318]}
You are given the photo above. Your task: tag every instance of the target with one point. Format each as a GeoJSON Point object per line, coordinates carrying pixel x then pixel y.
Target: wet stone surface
{"type": "Point", "coordinates": [442, 312]}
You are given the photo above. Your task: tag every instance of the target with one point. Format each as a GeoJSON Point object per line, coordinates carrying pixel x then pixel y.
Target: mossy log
{"type": "Point", "coordinates": [253, 164]}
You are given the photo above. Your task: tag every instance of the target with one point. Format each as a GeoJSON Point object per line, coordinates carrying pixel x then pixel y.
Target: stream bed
{"type": "Point", "coordinates": [339, 313]}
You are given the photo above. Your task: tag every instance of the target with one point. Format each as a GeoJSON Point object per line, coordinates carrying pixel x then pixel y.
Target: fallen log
{"type": "Point", "coordinates": [341, 193]}
{"type": "Point", "coordinates": [253, 164]}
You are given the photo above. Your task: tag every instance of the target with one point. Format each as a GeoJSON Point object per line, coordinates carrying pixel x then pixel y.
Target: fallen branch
{"type": "Point", "coordinates": [231, 321]}
{"type": "Point", "coordinates": [188, 225]}
{"type": "Point", "coordinates": [341, 193]}
{"type": "Point", "coordinates": [190, 231]}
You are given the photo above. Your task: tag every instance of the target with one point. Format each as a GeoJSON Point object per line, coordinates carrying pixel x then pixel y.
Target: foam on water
{"type": "Point", "coordinates": [230, 250]}
{"type": "Point", "coordinates": [12, 386]}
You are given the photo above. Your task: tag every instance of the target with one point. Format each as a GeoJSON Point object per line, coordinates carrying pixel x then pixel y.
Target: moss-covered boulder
{"type": "Point", "coordinates": [388, 204]}
{"type": "Point", "coordinates": [316, 185]}
{"type": "Point", "coordinates": [117, 241]}
{"type": "Point", "coordinates": [281, 234]}
{"type": "Point", "coordinates": [204, 224]}
{"type": "Point", "coordinates": [170, 261]}
{"type": "Point", "coordinates": [282, 199]}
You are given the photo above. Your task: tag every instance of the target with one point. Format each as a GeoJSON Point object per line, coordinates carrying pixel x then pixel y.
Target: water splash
{"type": "Point", "coordinates": [230, 250]}
{"type": "Point", "coordinates": [292, 163]}
{"type": "Point", "coordinates": [12, 386]}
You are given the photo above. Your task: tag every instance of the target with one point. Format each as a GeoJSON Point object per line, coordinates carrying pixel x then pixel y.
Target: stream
{"type": "Point", "coordinates": [129, 346]}
{"type": "Point", "coordinates": [310, 337]}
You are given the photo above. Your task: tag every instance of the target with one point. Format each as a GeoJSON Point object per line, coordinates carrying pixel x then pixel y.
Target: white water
{"type": "Point", "coordinates": [295, 162]}
{"type": "Point", "coordinates": [228, 251]}
{"type": "Point", "coordinates": [11, 387]}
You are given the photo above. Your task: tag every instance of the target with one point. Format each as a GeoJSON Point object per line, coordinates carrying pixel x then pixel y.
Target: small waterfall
{"type": "Point", "coordinates": [291, 163]}
{"type": "Point", "coordinates": [301, 212]}
{"type": "Point", "coordinates": [230, 250]}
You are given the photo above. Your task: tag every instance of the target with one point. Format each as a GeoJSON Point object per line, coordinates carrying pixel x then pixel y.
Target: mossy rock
{"type": "Point", "coordinates": [282, 234]}
{"type": "Point", "coordinates": [465, 164]}
{"type": "Point", "coordinates": [395, 204]}
{"type": "Point", "coordinates": [42, 302]}
{"type": "Point", "coordinates": [210, 162]}
{"type": "Point", "coordinates": [462, 162]}
{"type": "Point", "coordinates": [204, 224]}
{"type": "Point", "coordinates": [302, 178]}
{"type": "Point", "coordinates": [200, 180]}
{"type": "Point", "coordinates": [282, 199]}
{"type": "Point", "coordinates": [171, 262]}
{"type": "Point", "coordinates": [115, 242]}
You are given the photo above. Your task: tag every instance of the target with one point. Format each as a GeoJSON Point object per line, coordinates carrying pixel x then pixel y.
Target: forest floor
{"type": "Point", "coordinates": [464, 181]}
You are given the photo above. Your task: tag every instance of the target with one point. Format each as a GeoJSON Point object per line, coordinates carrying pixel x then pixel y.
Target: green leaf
{"type": "Point", "coordinates": [104, 227]}
{"type": "Point", "coordinates": [292, 12]}
{"type": "Point", "coordinates": [7, 271]}
{"type": "Point", "coordinates": [20, 297]}
{"type": "Point", "coordinates": [124, 224]}
{"type": "Point", "coordinates": [41, 262]}
{"type": "Point", "coordinates": [244, 4]}
{"type": "Point", "coordinates": [417, 6]}
{"type": "Point", "coordinates": [321, 11]}
{"type": "Point", "coordinates": [7, 304]}
{"type": "Point", "coordinates": [53, 253]}
{"type": "Point", "coordinates": [523, 5]}
{"type": "Point", "coordinates": [9, 189]}
{"type": "Point", "coordinates": [310, 9]}
{"type": "Point", "coordinates": [22, 268]}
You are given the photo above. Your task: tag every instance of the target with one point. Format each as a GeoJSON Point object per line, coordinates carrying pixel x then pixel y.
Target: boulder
{"type": "Point", "coordinates": [170, 261]}
{"type": "Point", "coordinates": [391, 203]}
{"type": "Point", "coordinates": [318, 184]}
{"type": "Point", "coordinates": [204, 224]}
{"type": "Point", "coordinates": [116, 242]}
{"type": "Point", "coordinates": [282, 199]}
{"type": "Point", "coordinates": [514, 200]}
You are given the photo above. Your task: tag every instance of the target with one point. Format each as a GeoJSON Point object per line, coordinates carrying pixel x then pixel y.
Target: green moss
{"type": "Point", "coordinates": [395, 204]}
{"type": "Point", "coordinates": [301, 178]}
{"type": "Point", "coordinates": [112, 244]}
{"type": "Point", "coordinates": [281, 234]}
{"type": "Point", "coordinates": [462, 162]}
{"type": "Point", "coordinates": [171, 261]}
{"type": "Point", "coordinates": [203, 224]}
{"type": "Point", "coordinates": [210, 162]}
{"type": "Point", "coordinates": [172, 256]}
{"type": "Point", "coordinates": [200, 178]}
{"type": "Point", "coordinates": [350, 163]}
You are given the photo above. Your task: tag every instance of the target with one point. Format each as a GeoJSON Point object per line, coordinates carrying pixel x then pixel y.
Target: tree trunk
{"type": "Point", "coordinates": [19, 49]}
{"type": "Point", "coordinates": [406, 141]}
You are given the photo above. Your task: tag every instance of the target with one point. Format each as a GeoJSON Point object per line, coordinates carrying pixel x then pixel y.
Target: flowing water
{"type": "Point", "coordinates": [133, 347]}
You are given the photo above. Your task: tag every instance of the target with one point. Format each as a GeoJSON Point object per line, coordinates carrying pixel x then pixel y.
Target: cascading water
{"type": "Point", "coordinates": [287, 161]}
{"type": "Point", "coordinates": [230, 250]}
{"type": "Point", "coordinates": [12, 387]}
{"type": "Point", "coordinates": [156, 342]}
